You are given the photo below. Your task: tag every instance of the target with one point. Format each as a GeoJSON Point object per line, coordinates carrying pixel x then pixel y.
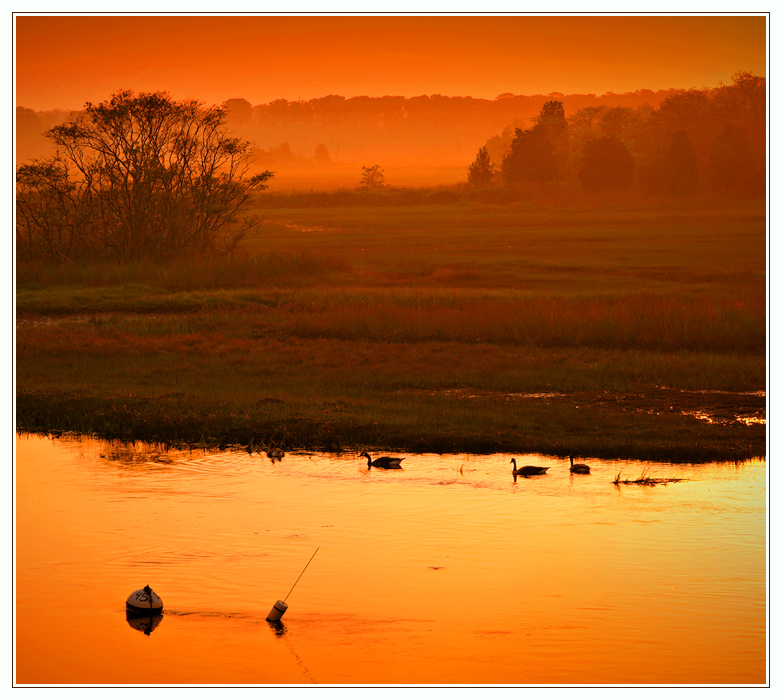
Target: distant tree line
{"type": "Point", "coordinates": [392, 111]}
{"type": "Point", "coordinates": [411, 129]}
{"type": "Point", "coordinates": [697, 140]}
{"type": "Point", "coordinates": [422, 129]}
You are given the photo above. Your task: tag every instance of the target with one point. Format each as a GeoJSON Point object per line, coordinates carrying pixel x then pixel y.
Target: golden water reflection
{"type": "Point", "coordinates": [444, 572]}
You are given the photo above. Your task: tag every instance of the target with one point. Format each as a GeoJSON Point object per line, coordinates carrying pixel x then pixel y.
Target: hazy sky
{"type": "Point", "coordinates": [64, 61]}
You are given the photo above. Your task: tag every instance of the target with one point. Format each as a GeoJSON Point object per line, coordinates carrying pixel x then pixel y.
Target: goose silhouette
{"type": "Point", "coordinates": [578, 468]}
{"type": "Point", "coordinates": [527, 470]}
{"type": "Point", "coordinates": [383, 462]}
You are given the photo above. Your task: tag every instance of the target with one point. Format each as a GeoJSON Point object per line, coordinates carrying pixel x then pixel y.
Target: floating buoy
{"type": "Point", "coordinates": [279, 608]}
{"type": "Point", "coordinates": [144, 601]}
{"type": "Point", "coordinates": [277, 611]}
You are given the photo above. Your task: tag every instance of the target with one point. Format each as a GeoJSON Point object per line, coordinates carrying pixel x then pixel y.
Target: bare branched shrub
{"type": "Point", "coordinates": [134, 177]}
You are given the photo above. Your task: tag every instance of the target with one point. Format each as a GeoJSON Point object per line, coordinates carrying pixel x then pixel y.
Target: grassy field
{"type": "Point", "coordinates": [599, 331]}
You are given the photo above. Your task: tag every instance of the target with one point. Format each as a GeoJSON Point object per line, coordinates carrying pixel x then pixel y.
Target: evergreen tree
{"type": "Point", "coordinates": [481, 172]}
{"type": "Point", "coordinates": [531, 158]}
{"type": "Point", "coordinates": [537, 154]}
{"type": "Point", "coordinates": [552, 116]}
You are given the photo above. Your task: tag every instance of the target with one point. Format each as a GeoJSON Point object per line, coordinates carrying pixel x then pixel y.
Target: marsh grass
{"type": "Point", "coordinates": [190, 386]}
{"type": "Point", "coordinates": [410, 327]}
{"type": "Point", "coordinates": [633, 321]}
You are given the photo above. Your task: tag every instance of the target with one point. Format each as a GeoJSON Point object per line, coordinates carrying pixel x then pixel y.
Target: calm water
{"type": "Point", "coordinates": [445, 572]}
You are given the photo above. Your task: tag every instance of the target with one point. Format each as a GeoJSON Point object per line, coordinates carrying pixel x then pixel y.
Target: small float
{"type": "Point", "coordinates": [144, 602]}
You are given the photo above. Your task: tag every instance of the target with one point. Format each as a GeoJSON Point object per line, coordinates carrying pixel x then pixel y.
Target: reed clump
{"type": "Point", "coordinates": [646, 480]}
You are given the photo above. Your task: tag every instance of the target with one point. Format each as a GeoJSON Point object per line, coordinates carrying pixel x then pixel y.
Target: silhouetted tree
{"type": "Point", "coordinates": [137, 176]}
{"type": "Point", "coordinates": [552, 115]}
{"type": "Point", "coordinates": [680, 166]}
{"type": "Point", "coordinates": [499, 145]}
{"type": "Point", "coordinates": [731, 166]}
{"type": "Point", "coordinates": [552, 120]}
{"type": "Point", "coordinates": [617, 121]}
{"type": "Point", "coordinates": [607, 164]}
{"type": "Point", "coordinates": [537, 154]}
{"type": "Point", "coordinates": [675, 171]}
{"type": "Point", "coordinates": [52, 220]}
{"type": "Point", "coordinates": [585, 117]}
{"type": "Point", "coordinates": [372, 177]}
{"type": "Point", "coordinates": [322, 154]}
{"type": "Point", "coordinates": [481, 172]}
{"type": "Point", "coordinates": [238, 111]}
{"type": "Point", "coordinates": [530, 159]}
{"type": "Point", "coordinates": [283, 153]}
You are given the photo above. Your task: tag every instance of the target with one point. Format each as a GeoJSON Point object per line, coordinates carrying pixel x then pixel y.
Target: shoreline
{"type": "Point", "coordinates": [675, 435]}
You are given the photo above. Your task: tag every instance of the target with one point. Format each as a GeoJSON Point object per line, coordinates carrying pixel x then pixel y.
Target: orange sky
{"type": "Point", "coordinates": [64, 61]}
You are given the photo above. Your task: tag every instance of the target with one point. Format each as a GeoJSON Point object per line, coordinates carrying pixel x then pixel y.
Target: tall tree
{"type": "Point", "coordinates": [531, 158]}
{"type": "Point", "coordinates": [552, 114]}
{"type": "Point", "coordinates": [480, 173]}
{"type": "Point", "coordinates": [139, 176]}
{"type": "Point", "coordinates": [552, 121]}
{"type": "Point", "coordinates": [538, 154]}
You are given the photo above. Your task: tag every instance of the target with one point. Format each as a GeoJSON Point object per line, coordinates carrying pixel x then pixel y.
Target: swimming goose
{"type": "Point", "coordinates": [527, 470]}
{"type": "Point", "coordinates": [275, 453]}
{"type": "Point", "coordinates": [578, 468]}
{"type": "Point", "coordinates": [383, 462]}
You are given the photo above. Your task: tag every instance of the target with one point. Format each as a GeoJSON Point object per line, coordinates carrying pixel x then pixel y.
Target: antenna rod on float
{"type": "Point", "coordinates": [279, 608]}
{"type": "Point", "coordinates": [300, 575]}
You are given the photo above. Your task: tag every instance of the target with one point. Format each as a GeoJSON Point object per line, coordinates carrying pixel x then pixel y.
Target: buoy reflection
{"type": "Point", "coordinates": [278, 626]}
{"type": "Point", "coordinates": [145, 623]}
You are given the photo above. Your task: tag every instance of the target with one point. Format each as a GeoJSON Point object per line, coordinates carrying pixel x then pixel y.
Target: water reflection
{"type": "Point", "coordinates": [661, 585]}
{"type": "Point", "coordinates": [278, 626]}
{"type": "Point", "coordinates": [143, 622]}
